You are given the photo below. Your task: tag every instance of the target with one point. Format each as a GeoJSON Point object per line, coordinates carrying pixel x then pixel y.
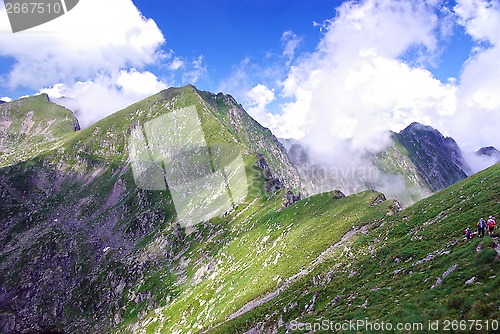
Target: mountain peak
{"type": "Point", "coordinates": [434, 155]}
{"type": "Point", "coordinates": [420, 128]}
{"type": "Point", "coordinates": [489, 151]}
{"type": "Point", "coordinates": [32, 124]}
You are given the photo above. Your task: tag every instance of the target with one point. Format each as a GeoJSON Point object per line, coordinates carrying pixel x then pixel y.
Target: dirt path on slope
{"type": "Point", "coordinates": [325, 255]}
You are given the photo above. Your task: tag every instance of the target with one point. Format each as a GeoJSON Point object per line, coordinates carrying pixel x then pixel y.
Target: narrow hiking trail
{"type": "Point", "coordinates": [496, 245]}
{"type": "Point", "coordinates": [303, 272]}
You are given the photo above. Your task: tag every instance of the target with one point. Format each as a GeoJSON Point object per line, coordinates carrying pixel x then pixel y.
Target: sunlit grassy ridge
{"type": "Point", "coordinates": [411, 267]}
{"type": "Point", "coordinates": [254, 251]}
{"type": "Point", "coordinates": [90, 251]}
{"type": "Point", "coordinates": [31, 125]}
{"type": "Point", "coordinates": [80, 237]}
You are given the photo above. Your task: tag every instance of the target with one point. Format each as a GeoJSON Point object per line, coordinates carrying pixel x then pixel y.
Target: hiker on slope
{"type": "Point", "coordinates": [491, 225]}
{"type": "Point", "coordinates": [481, 226]}
{"type": "Point", "coordinates": [468, 234]}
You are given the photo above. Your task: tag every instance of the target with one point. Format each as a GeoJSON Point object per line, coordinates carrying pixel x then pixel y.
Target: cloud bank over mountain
{"type": "Point", "coordinates": [96, 56]}
{"type": "Point", "coordinates": [373, 69]}
{"type": "Point", "coordinates": [370, 72]}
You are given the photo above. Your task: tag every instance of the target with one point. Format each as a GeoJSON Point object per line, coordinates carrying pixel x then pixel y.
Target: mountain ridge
{"type": "Point", "coordinates": [418, 158]}
{"type": "Point", "coordinates": [72, 215]}
{"type": "Point", "coordinates": [490, 152]}
{"type": "Point", "coordinates": [31, 124]}
{"type": "Point", "coordinates": [444, 154]}
{"type": "Point", "coordinates": [87, 250]}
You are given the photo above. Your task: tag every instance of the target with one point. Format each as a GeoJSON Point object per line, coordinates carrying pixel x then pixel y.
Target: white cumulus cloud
{"type": "Point", "coordinates": [355, 85]}
{"type": "Point", "coordinates": [141, 84]}
{"type": "Point", "coordinates": [95, 36]}
{"type": "Point", "coordinates": [478, 114]}
{"type": "Point", "coordinates": [257, 100]}
{"type": "Point", "coordinates": [369, 73]}
{"type": "Point", "coordinates": [94, 99]}
{"type": "Point", "coordinates": [98, 50]}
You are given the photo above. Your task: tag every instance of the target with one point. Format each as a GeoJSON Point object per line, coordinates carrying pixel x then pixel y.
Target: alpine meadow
{"type": "Point", "coordinates": [250, 167]}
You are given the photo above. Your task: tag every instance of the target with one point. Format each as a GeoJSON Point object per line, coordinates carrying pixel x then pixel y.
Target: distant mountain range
{"type": "Point", "coordinates": [86, 246]}
{"type": "Point", "coordinates": [419, 158]}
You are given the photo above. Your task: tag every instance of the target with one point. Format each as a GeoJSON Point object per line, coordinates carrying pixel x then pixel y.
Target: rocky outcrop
{"type": "Point", "coordinates": [290, 198]}
{"type": "Point", "coordinates": [438, 160]}
{"type": "Point", "coordinates": [337, 194]}
{"type": "Point", "coordinates": [298, 155]}
{"type": "Point", "coordinates": [273, 183]}
{"type": "Point", "coordinates": [379, 198]}
{"type": "Point", "coordinates": [76, 125]}
{"type": "Point", "coordinates": [254, 136]}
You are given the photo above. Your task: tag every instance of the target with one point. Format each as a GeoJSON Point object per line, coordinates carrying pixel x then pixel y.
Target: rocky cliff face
{"type": "Point", "coordinates": [80, 242]}
{"type": "Point", "coordinates": [255, 137]}
{"type": "Point", "coordinates": [438, 160]}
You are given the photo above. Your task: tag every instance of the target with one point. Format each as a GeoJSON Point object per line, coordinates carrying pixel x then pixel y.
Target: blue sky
{"type": "Point", "coordinates": [317, 70]}
{"type": "Point", "coordinates": [226, 32]}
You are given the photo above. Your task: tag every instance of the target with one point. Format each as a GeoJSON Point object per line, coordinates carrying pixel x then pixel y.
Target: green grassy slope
{"type": "Point", "coordinates": [81, 243]}
{"type": "Point", "coordinates": [252, 252]}
{"type": "Point", "coordinates": [31, 125]}
{"type": "Point", "coordinates": [411, 267]}
{"type": "Point", "coordinates": [87, 251]}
